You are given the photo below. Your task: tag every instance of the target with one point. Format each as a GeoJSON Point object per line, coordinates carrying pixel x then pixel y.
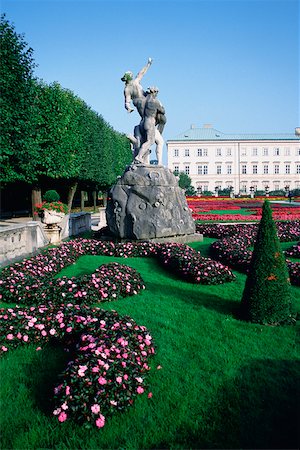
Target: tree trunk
{"type": "Point", "coordinates": [95, 199]}
{"type": "Point", "coordinates": [36, 198]}
{"type": "Point", "coordinates": [82, 195]}
{"type": "Point", "coordinates": [71, 193]}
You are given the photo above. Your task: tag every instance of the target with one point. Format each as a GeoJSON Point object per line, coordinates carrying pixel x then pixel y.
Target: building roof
{"type": "Point", "coordinates": [211, 134]}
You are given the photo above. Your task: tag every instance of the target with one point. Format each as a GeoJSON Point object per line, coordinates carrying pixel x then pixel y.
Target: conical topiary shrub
{"type": "Point", "coordinates": [267, 296]}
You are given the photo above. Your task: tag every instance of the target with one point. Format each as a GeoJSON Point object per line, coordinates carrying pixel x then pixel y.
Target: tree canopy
{"type": "Point", "coordinates": [48, 131]}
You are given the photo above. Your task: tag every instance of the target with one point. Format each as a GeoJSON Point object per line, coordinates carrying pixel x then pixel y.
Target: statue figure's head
{"type": "Point", "coordinates": [127, 76]}
{"type": "Point", "coordinates": [152, 90]}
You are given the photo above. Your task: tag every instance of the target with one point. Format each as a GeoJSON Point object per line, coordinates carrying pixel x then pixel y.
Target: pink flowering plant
{"type": "Point", "coordinates": [108, 282]}
{"type": "Point", "coordinates": [190, 265]}
{"type": "Point", "coordinates": [232, 247]}
{"type": "Point", "coordinates": [109, 363]}
{"type": "Point", "coordinates": [293, 251]}
{"type": "Point", "coordinates": [31, 281]}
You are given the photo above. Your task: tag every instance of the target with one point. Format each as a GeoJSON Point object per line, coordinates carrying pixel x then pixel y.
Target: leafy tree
{"type": "Point", "coordinates": [16, 106]}
{"type": "Point", "coordinates": [267, 296]}
{"type": "Point", "coordinates": [48, 133]}
{"type": "Point", "coordinates": [185, 183]}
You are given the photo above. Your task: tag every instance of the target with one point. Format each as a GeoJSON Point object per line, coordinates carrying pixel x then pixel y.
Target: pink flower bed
{"type": "Point", "coordinates": [109, 361]}
{"type": "Point", "coordinates": [32, 281]}
{"type": "Point", "coordinates": [202, 209]}
{"type": "Point", "coordinates": [232, 246]}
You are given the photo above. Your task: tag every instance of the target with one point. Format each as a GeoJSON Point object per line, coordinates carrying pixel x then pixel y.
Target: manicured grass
{"type": "Point", "coordinates": [242, 212]}
{"type": "Point", "coordinates": [223, 383]}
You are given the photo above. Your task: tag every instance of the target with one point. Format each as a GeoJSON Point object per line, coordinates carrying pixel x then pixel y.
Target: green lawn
{"type": "Point", "coordinates": [242, 212]}
{"type": "Point", "coordinates": [223, 383]}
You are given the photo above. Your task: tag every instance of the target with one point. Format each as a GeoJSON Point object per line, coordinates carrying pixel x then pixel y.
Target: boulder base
{"type": "Point", "coordinates": [147, 203]}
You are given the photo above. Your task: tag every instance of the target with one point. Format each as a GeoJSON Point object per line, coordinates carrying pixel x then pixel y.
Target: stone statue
{"type": "Point", "coordinates": [150, 133]}
{"type": "Point", "coordinates": [146, 202]}
{"type": "Point", "coordinates": [143, 137]}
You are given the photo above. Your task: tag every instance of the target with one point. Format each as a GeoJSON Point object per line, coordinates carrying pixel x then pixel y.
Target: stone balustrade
{"type": "Point", "coordinates": [20, 240]}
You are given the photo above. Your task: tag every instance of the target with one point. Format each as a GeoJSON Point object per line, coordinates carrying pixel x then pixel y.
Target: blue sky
{"type": "Point", "coordinates": [231, 63]}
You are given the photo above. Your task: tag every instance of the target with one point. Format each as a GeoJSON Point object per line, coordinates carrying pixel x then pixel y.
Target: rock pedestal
{"type": "Point", "coordinates": [147, 203]}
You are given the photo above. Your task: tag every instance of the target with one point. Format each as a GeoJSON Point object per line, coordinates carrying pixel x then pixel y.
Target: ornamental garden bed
{"type": "Point", "coordinates": [228, 210]}
{"type": "Point", "coordinates": [204, 356]}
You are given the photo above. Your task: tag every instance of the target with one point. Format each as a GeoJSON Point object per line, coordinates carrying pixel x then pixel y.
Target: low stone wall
{"type": "Point", "coordinates": [79, 223]}
{"type": "Point", "coordinates": [20, 240]}
{"type": "Point", "coordinates": [17, 241]}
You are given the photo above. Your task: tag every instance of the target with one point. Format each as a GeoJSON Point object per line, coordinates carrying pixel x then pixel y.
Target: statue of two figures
{"type": "Point", "coordinates": [152, 114]}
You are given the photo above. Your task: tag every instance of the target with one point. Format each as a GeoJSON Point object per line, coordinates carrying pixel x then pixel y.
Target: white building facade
{"type": "Point", "coordinates": [215, 160]}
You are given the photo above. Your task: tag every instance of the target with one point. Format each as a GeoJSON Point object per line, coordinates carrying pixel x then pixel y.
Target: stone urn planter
{"type": "Point", "coordinates": [51, 217]}
{"type": "Point", "coordinates": [51, 220]}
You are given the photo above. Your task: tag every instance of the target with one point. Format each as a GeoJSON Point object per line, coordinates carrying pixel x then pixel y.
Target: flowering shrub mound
{"type": "Point", "coordinates": [109, 365]}
{"type": "Point", "coordinates": [189, 264]}
{"type": "Point", "coordinates": [108, 282]}
{"type": "Point", "coordinates": [234, 248]}
{"type": "Point", "coordinates": [287, 231]}
{"type": "Point", "coordinates": [294, 251]}
{"type": "Point", "coordinates": [31, 280]}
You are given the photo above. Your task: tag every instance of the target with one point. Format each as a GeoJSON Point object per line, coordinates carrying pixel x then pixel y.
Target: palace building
{"type": "Point", "coordinates": [241, 162]}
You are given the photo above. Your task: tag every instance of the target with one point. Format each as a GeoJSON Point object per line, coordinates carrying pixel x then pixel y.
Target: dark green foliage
{"type": "Point", "coordinates": [16, 106]}
{"type": "Point", "coordinates": [51, 196]}
{"type": "Point", "coordinates": [267, 296]}
{"type": "Point", "coordinates": [47, 132]}
{"type": "Point", "coordinates": [185, 183]}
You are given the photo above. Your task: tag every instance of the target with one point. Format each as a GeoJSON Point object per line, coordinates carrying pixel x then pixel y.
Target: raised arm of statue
{"type": "Point", "coordinates": [144, 70]}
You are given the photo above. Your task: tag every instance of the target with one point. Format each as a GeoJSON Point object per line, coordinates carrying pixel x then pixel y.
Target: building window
{"type": "Point", "coordinates": [265, 151]}
{"type": "Point", "coordinates": [297, 168]}
{"type": "Point", "coordinates": [219, 170]}
{"type": "Point", "coordinates": [176, 152]}
{"type": "Point", "coordinates": [287, 151]}
{"type": "Point", "coordinates": [276, 187]}
{"type": "Point", "coordinates": [243, 188]}
{"type": "Point", "coordinates": [205, 188]}
{"type": "Point", "coordinates": [187, 170]}
{"type": "Point", "coordinates": [266, 169]}
{"type": "Point", "coordinates": [254, 152]}
{"type": "Point", "coordinates": [254, 169]}
{"type": "Point", "coordinates": [186, 152]}
{"type": "Point", "coordinates": [202, 152]}
{"type": "Point", "coordinates": [229, 169]}
{"type": "Point", "coordinates": [276, 151]}
{"type": "Point", "coordinates": [218, 152]}
{"type": "Point", "coordinates": [228, 151]}
{"type": "Point", "coordinates": [244, 169]}
{"type": "Point", "coordinates": [287, 169]}
{"type": "Point", "coordinates": [298, 151]}
{"type": "Point", "coordinates": [176, 170]}
{"type": "Point", "coordinates": [202, 170]}
{"type": "Point", "coordinates": [276, 169]}
{"type": "Point", "coordinates": [244, 151]}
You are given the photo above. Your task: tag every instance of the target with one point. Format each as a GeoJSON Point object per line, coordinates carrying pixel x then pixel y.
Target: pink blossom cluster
{"type": "Point", "coordinates": [31, 280]}
{"type": "Point", "coordinates": [109, 365]}
{"type": "Point", "coordinates": [235, 252]}
{"type": "Point", "coordinates": [190, 265]}
{"type": "Point", "coordinates": [108, 282]}
{"type": "Point", "coordinates": [293, 251]}
{"type": "Point", "coordinates": [287, 231]}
